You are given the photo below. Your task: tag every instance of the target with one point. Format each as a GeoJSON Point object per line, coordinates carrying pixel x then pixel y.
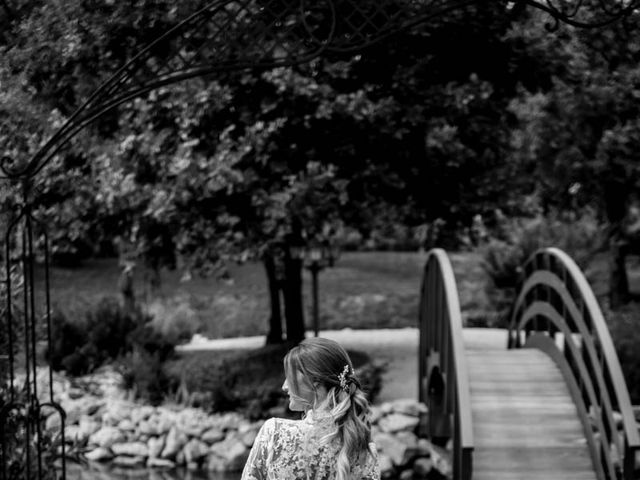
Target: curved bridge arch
{"type": "Point", "coordinates": [557, 312]}
{"type": "Point", "coordinates": [558, 337]}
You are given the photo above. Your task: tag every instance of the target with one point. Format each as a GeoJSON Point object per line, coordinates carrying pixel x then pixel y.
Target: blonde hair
{"type": "Point", "coordinates": [321, 362]}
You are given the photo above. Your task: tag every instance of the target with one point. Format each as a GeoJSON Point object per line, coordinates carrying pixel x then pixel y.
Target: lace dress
{"type": "Point", "coordinates": [294, 450]}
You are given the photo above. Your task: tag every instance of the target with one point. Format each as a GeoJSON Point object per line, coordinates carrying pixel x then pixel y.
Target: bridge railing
{"type": "Point", "coordinates": [556, 311]}
{"type": "Point", "coordinates": [444, 384]}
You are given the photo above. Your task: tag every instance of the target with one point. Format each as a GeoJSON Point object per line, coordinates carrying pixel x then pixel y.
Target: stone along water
{"type": "Point", "coordinates": [103, 472]}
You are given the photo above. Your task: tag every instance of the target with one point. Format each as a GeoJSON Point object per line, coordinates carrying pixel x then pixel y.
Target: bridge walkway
{"type": "Point", "coordinates": [525, 423]}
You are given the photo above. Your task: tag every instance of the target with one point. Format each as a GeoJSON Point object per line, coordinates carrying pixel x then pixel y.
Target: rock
{"type": "Point", "coordinates": [126, 425]}
{"type": "Point", "coordinates": [148, 428]}
{"type": "Point", "coordinates": [422, 467]}
{"type": "Point", "coordinates": [399, 452]}
{"type": "Point", "coordinates": [141, 413]}
{"type": "Point", "coordinates": [376, 413]}
{"type": "Point", "coordinates": [131, 449]}
{"type": "Point", "coordinates": [75, 393]}
{"type": "Point", "coordinates": [160, 463]}
{"type": "Point", "coordinates": [99, 454]}
{"type": "Point", "coordinates": [193, 431]}
{"type": "Point", "coordinates": [212, 435]}
{"type": "Point", "coordinates": [249, 436]}
{"type": "Point", "coordinates": [194, 450]}
{"type": "Point", "coordinates": [116, 412]}
{"type": "Point", "coordinates": [386, 466]}
{"type": "Point", "coordinates": [128, 462]}
{"type": "Point", "coordinates": [423, 448]}
{"type": "Point", "coordinates": [229, 421]}
{"type": "Point", "coordinates": [407, 406]}
{"type": "Point", "coordinates": [216, 464]}
{"type": "Point", "coordinates": [173, 443]}
{"type": "Point", "coordinates": [441, 459]}
{"type": "Point", "coordinates": [164, 423]}
{"type": "Point", "coordinates": [233, 453]}
{"type": "Point", "coordinates": [79, 407]}
{"type": "Point", "coordinates": [107, 436]}
{"type": "Point", "coordinates": [396, 422]}
{"type": "Point", "coordinates": [155, 446]}
{"type": "Point", "coordinates": [406, 474]}
{"type": "Point", "coordinates": [408, 438]}
{"type": "Point", "coordinates": [72, 434]}
{"type": "Point", "coordinates": [386, 408]}
{"type": "Point", "coordinates": [87, 427]}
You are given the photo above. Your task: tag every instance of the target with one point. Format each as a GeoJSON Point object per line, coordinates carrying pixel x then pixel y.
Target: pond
{"type": "Point", "coordinates": [103, 472]}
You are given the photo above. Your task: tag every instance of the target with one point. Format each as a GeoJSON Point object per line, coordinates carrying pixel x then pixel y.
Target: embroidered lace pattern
{"type": "Point", "coordinates": [294, 450]}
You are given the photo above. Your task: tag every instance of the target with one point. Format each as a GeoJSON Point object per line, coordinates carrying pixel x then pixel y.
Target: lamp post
{"type": "Point", "coordinates": [317, 256]}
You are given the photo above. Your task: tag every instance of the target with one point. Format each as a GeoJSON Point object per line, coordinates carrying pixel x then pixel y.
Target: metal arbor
{"type": "Point", "coordinates": [225, 35]}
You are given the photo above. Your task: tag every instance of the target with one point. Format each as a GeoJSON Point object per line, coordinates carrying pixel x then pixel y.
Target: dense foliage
{"type": "Point", "coordinates": [250, 381]}
{"type": "Point", "coordinates": [477, 110]}
{"type": "Point", "coordinates": [111, 333]}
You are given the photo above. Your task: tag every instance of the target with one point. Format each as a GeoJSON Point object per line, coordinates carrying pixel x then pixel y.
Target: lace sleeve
{"type": "Point", "coordinates": [256, 466]}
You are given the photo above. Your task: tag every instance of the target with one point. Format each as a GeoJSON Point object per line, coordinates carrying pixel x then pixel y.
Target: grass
{"type": "Point", "coordinates": [363, 290]}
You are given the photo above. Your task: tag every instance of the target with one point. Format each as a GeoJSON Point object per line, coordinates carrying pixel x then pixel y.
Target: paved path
{"type": "Point", "coordinates": [397, 348]}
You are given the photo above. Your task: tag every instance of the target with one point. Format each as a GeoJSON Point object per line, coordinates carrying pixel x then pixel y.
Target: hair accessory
{"type": "Point", "coordinates": [344, 381]}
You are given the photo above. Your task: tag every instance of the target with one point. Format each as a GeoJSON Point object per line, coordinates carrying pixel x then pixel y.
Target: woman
{"type": "Point", "coordinates": [333, 439]}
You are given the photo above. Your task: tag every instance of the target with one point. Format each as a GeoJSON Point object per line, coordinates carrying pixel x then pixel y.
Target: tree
{"type": "Point", "coordinates": [253, 165]}
{"type": "Point", "coordinates": [578, 135]}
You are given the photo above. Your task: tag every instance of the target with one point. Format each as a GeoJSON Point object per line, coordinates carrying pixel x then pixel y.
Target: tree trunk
{"type": "Point", "coordinates": [275, 319]}
{"type": "Point", "coordinates": [619, 293]}
{"type": "Point", "coordinates": [292, 292]}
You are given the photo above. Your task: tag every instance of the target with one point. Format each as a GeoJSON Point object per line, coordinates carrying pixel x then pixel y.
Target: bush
{"type": "Point", "coordinates": [143, 366]}
{"type": "Point", "coordinates": [144, 374]}
{"type": "Point", "coordinates": [113, 333]}
{"type": "Point", "coordinates": [505, 254]}
{"type": "Point", "coordinates": [175, 319]}
{"type": "Point", "coordinates": [15, 450]}
{"type": "Point", "coordinates": [80, 348]}
{"type": "Point", "coordinates": [623, 325]}
{"type": "Point", "coordinates": [249, 381]}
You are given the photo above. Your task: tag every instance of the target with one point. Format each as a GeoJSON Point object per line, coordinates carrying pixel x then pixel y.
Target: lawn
{"type": "Point", "coordinates": [363, 290]}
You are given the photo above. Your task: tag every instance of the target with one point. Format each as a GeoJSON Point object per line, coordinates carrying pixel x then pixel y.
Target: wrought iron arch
{"type": "Point", "coordinates": [225, 35]}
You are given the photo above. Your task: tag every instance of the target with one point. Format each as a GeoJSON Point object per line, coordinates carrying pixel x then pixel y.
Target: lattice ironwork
{"type": "Point", "coordinates": [583, 13]}
{"type": "Point", "coordinates": [252, 34]}
{"type": "Point", "coordinates": [30, 400]}
{"type": "Point", "coordinates": [226, 35]}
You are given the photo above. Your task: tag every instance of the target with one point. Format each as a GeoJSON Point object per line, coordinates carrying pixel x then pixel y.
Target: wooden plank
{"type": "Point", "coordinates": [524, 459]}
{"type": "Point", "coordinates": [525, 424]}
{"type": "Point", "coordinates": [575, 475]}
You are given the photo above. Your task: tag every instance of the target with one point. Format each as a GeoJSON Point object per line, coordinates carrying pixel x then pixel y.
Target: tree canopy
{"type": "Point", "coordinates": [478, 110]}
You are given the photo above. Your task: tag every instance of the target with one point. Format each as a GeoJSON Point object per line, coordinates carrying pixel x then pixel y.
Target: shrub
{"type": "Point", "coordinates": [81, 347]}
{"type": "Point", "coordinates": [623, 325]}
{"type": "Point", "coordinates": [143, 365]}
{"type": "Point", "coordinates": [144, 374]}
{"type": "Point", "coordinates": [249, 381]}
{"type": "Point", "coordinates": [175, 319]}
{"type": "Point", "coordinates": [14, 453]}
{"type": "Point", "coordinates": [504, 256]}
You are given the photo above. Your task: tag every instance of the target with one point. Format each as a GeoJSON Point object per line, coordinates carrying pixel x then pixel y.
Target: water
{"type": "Point", "coordinates": [103, 472]}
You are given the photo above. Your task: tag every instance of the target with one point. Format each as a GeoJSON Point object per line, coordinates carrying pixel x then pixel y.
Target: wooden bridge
{"type": "Point", "coordinates": [550, 403]}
